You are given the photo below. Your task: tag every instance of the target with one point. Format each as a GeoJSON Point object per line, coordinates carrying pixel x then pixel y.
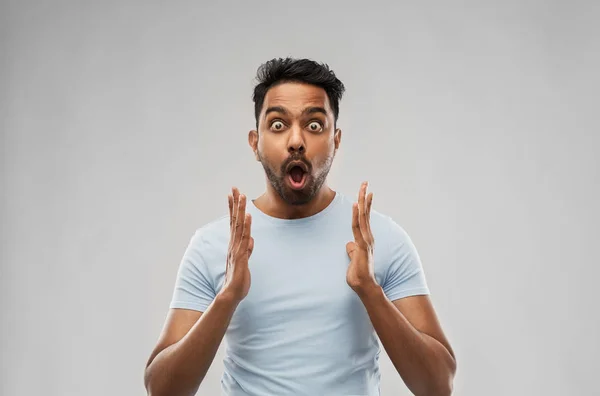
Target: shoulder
{"type": "Point", "coordinates": [215, 229]}
{"type": "Point", "coordinates": [397, 261]}
{"type": "Point", "coordinates": [387, 232]}
{"type": "Point", "coordinates": [383, 226]}
{"type": "Point", "coordinates": [209, 242]}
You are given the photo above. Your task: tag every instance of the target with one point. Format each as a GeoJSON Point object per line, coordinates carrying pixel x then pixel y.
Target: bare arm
{"type": "Point", "coordinates": [190, 339]}
{"type": "Point", "coordinates": [413, 339]}
{"type": "Point", "coordinates": [182, 358]}
{"type": "Point", "coordinates": [408, 327]}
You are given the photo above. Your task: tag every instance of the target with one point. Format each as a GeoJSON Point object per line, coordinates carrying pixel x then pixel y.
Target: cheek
{"type": "Point", "coordinates": [270, 157]}
{"type": "Point", "coordinates": [324, 154]}
{"type": "Point", "coordinates": [271, 147]}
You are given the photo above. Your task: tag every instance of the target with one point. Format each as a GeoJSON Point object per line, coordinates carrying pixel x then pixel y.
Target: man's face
{"type": "Point", "coordinates": [296, 140]}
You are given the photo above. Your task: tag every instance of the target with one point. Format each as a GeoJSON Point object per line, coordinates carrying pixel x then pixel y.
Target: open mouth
{"type": "Point", "coordinates": [297, 176]}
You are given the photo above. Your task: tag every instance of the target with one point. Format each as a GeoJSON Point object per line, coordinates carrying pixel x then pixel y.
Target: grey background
{"type": "Point", "coordinates": [124, 125]}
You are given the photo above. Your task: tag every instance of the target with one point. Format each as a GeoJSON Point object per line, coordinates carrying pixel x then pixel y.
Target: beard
{"type": "Point", "coordinates": [313, 184]}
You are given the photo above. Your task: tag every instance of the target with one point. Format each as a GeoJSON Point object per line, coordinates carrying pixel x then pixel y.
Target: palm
{"type": "Point", "coordinates": [241, 244]}
{"type": "Point", "coordinates": [360, 251]}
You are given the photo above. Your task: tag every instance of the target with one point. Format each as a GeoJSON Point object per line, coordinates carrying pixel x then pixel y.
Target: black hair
{"type": "Point", "coordinates": [281, 70]}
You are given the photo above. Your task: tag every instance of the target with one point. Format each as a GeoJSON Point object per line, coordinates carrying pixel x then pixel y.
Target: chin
{"type": "Point", "coordinates": [297, 197]}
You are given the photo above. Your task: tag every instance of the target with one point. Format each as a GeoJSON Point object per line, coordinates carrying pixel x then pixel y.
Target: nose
{"type": "Point", "coordinates": [296, 141]}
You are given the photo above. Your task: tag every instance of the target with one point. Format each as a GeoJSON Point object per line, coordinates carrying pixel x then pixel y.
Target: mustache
{"type": "Point", "coordinates": [296, 158]}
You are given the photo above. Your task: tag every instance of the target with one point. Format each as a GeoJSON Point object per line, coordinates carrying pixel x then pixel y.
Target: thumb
{"type": "Point", "coordinates": [350, 247]}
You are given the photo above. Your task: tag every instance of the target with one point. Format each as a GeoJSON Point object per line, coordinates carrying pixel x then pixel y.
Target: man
{"type": "Point", "coordinates": [301, 280]}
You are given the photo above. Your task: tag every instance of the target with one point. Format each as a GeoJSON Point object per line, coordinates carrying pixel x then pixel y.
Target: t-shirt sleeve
{"type": "Point", "coordinates": [405, 276]}
{"type": "Point", "coordinates": [193, 286]}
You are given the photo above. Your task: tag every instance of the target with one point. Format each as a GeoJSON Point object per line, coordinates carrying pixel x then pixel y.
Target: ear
{"type": "Point", "coordinates": [337, 139]}
{"type": "Point", "coordinates": [253, 142]}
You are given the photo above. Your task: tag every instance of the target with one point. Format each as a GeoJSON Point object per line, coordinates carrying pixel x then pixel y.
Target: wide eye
{"type": "Point", "coordinates": [315, 126]}
{"type": "Point", "coordinates": [277, 125]}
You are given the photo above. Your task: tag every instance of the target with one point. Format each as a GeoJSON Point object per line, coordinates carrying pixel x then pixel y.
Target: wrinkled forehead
{"type": "Point", "coordinates": [295, 98]}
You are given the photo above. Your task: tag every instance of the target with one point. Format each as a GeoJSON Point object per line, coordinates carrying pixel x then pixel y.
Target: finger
{"type": "Point", "coordinates": [230, 202]}
{"type": "Point", "coordinates": [246, 233]}
{"type": "Point", "coordinates": [368, 216]}
{"type": "Point", "coordinates": [240, 219]}
{"type": "Point", "coordinates": [236, 195]}
{"type": "Point", "coordinates": [235, 198]}
{"type": "Point", "coordinates": [362, 210]}
{"type": "Point", "coordinates": [250, 246]}
{"type": "Point", "coordinates": [358, 238]}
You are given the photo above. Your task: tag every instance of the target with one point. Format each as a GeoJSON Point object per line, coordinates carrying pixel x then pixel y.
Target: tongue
{"type": "Point", "coordinates": [296, 174]}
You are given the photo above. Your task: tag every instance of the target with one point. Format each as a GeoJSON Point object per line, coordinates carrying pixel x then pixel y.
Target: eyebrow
{"type": "Point", "coordinates": [276, 109]}
{"type": "Point", "coordinates": [313, 110]}
{"type": "Point", "coordinates": [283, 110]}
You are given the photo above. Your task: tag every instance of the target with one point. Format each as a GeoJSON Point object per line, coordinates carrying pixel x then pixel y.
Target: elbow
{"type": "Point", "coordinates": [149, 380]}
{"type": "Point", "coordinates": [434, 389]}
{"type": "Point", "coordinates": [151, 385]}
{"type": "Point", "coordinates": [445, 387]}
{"type": "Point", "coordinates": [440, 390]}
{"type": "Point", "coordinates": [442, 386]}
{"type": "Point", "coordinates": [161, 386]}
{"type": "Point", "coordinates": [154, 390]}
{"type": "Point", "coordinates": [445, 390]}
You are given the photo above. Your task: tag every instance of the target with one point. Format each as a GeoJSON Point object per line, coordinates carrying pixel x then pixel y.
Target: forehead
{"type": "Point", "coordinates": [296, 97]}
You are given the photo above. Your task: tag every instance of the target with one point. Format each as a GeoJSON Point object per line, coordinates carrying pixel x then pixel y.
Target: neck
{"type": "Point", "coordinates": [273, 205]}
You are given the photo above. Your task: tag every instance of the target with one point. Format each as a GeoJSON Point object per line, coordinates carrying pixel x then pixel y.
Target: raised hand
{"type": "Point", "coordinates": [241, 244]}
{"type": "Point", "coordinates": [361, 273]}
